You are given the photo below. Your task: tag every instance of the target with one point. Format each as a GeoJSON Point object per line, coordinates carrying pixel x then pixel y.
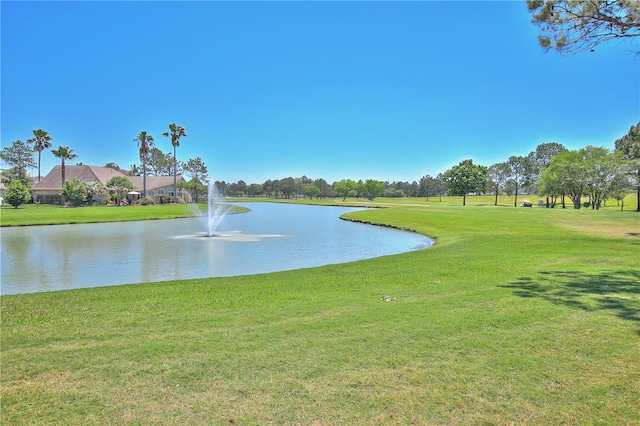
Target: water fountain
{"type": "Point", "coordinates": [271, 237]}
{"type": "Point", "coordinates": [216, 210]}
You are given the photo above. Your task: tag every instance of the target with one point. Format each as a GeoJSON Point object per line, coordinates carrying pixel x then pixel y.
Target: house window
{"type": "Point", "coordinates": [160, 191]}
{"type": "Point", "coordinates": [150, 193]}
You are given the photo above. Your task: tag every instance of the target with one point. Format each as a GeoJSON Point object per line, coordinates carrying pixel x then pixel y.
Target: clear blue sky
{"type": "Point", "coordinates": [266, 90]}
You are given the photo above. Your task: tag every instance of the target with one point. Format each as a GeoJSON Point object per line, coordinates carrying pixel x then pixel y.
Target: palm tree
{"type": "Point", "coordinates": [145, 142]}
{"type": "Point", "coordinates": [41, 141]}
{"type": "Point", "coordinates": [176, 133]}
{"type": "Point", "coordinates": [96, 189]}
{"type": "Point", "coordinates": [64, 153]}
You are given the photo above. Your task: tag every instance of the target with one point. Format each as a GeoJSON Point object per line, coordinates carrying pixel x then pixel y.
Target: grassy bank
{"type": "Point", "coordinates": [516, 316]}
{"type": "Point", "coordinates": [47, 214]}
{"type": "Point", "coordinates": [630, 201]}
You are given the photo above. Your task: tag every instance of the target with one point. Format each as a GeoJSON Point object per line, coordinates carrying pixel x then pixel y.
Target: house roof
{"type": "Point", "coordinates": [154, 182]}
{"type": "Point", "coordinates": [53, 180]}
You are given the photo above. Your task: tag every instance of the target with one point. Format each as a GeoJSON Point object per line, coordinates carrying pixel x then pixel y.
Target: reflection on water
{"type": "Point", "coordinates": [271, 237]}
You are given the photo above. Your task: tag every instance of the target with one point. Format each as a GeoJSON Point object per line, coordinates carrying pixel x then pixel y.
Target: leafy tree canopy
{"type": "Point", "coordinates": [287, 186]}
{"type": "Point", "coordinates": [565, 175]}
{"type": "Point", "coordinates": [593, 171]}
{"type": "Point", "coordinates": [121, 185]}
{"type": "Point", "coordinates": [95, 189]}
{"type": "Point", "coordinates": [16, 193]}
{"type": "Point", "coordinates": [430, 186]}
{"type": "Point", "coordinates": [571, 26]}
{"type": "Point", "coordinates": [373, 188]}
{"type": "Point", "coordinates": [344, 187]}
{"type": "Point", "coordinates": [255, 189]}
{"type": "Point", "coordinates": [196, 168]}
{"type": "Point", "coordinates": [497, 175]}
{"type": "Point", "coordinates": [20, 157]}
{"type": "Point", "coordinates": [466, 178]}
{"type": "Point", "coordinates": [326, 190]}
{"type": "Point", "coordinates": [629, 145]}
{"type": "Point", "coordinates": [75, 191]}
{"type": "Point", "coordinates": [545, 151]}
{"type": "Point", "coordinates": [112, 165]}
{"type": "Point", "coordinates": [195, 188]}
{"type": "Point", "coordinates": [311, 190]}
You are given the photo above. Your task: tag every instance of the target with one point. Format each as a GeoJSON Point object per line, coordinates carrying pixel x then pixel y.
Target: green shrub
{"type": "Point", "coordinates": [17, 194]}
{"type": "Point", "coordinates": [147, 201]}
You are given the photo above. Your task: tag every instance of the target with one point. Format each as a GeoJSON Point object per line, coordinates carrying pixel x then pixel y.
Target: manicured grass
{"type": "Point", "coordinates": [630, 201]}
{"type": "Point", "coordinates": [47, 214]}
{"type": "Point", "coordinates": [515, 316]}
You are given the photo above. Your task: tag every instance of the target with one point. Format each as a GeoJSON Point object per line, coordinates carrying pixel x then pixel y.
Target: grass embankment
{"type": "Point", "coordinates": [516, 316]}
{"type": "Point", "coordinates": [47, 214]}
{"type": "Point", "coordinates": [630, 201]}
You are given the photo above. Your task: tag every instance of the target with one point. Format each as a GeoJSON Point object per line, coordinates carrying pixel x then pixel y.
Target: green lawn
{"type": "Point", "coordinates": [47, 214]}
{"type": "Point", "coordinates": [515, 316]}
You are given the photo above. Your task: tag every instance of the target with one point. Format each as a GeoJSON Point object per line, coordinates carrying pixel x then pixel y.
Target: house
{"type": "Point", "coordinates": [158, 187]}
{"type": "Point", "coordinates": [3, 188]}
{"type": "Point", "coordinates": [49, 188]}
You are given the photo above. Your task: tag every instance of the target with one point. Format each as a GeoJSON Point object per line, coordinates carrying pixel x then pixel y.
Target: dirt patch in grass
{"type": "Point", "coordinates": [602, 227]}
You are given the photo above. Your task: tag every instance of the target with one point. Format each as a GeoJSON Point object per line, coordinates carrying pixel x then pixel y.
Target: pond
{"type": "Point", "coordinates": [271, 237]}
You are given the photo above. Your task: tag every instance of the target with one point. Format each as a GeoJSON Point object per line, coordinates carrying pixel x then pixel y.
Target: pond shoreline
{"type": "Point", "coordinates": [113, 253]}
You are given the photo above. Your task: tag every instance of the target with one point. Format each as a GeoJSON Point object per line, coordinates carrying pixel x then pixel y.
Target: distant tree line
{"type": "Point", "coordinates": [550, 171]}
{"type": "Point", "coordinates": [553, 172]}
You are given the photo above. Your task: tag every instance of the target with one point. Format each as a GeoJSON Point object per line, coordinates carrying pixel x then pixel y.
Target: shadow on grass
{"type": "Point", "coordinates": [614, 291]}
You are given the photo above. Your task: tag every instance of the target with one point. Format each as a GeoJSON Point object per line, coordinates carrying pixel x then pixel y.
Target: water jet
{"type": "Point", "coordinates": [216, 210]}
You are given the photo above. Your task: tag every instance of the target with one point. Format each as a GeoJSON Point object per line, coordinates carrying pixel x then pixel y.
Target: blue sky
{"type": "Point", "coordinates": [332, 90]}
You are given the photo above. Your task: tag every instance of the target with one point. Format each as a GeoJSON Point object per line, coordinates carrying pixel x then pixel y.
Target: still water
{"type": "Point", "coordinates": [271, 237]}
